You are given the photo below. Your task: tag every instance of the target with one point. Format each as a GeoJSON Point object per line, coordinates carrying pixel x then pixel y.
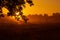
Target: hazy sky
{"type": "Point", "coordinates": [42, 6]}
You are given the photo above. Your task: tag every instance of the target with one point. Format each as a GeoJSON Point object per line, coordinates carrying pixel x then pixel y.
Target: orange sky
{"type": "Point", "coordinates": [41, 7]}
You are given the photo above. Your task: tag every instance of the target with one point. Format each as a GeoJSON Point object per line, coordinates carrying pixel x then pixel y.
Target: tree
{"type": "Point", "coordinates": [14, 6]}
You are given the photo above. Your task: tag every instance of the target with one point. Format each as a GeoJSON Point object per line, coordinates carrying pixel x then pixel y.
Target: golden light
{"type": "Point", "coordinates": [40, 7]}
{"type": "Point", "coordinates": [18, 16]}
{"type": "Point", "coordinates": [17, 13]}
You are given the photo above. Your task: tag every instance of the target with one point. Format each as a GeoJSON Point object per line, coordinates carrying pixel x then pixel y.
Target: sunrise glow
{"type": "Point", "coordinates": [17, 13]}
{"type": "Point", "coordinates": [41, 7]}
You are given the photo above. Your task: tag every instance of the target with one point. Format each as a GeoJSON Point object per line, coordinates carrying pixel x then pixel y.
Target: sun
{"type": "Point", "coordinates": [17, 13]}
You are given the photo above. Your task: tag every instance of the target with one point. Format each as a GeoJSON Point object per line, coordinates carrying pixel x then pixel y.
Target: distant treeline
{"type": "Point", "coordinates": [55, 18]}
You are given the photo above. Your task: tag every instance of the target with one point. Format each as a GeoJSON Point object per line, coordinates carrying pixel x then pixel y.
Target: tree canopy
{"type": "Point", "coordinates": [11, 6]}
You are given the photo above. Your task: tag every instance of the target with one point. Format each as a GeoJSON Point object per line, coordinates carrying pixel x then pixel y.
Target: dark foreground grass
{"type": "Point", "coordinates": [50, 31]}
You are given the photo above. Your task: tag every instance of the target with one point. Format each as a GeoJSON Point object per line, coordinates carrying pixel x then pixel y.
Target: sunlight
{"type": "Point", "coordinates": [17, 13]}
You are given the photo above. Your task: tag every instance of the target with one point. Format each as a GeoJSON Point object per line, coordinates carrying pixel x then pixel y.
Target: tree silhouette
{"type": "Point", "coordinates": [14, 6]}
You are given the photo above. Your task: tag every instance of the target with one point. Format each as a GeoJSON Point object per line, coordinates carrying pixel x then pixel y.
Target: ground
{"type": "Point", "coordinates": [30, 31]}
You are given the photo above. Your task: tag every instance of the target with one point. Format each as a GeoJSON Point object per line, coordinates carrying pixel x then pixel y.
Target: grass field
{"type": "Point", "coordinates": [50, 31]}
